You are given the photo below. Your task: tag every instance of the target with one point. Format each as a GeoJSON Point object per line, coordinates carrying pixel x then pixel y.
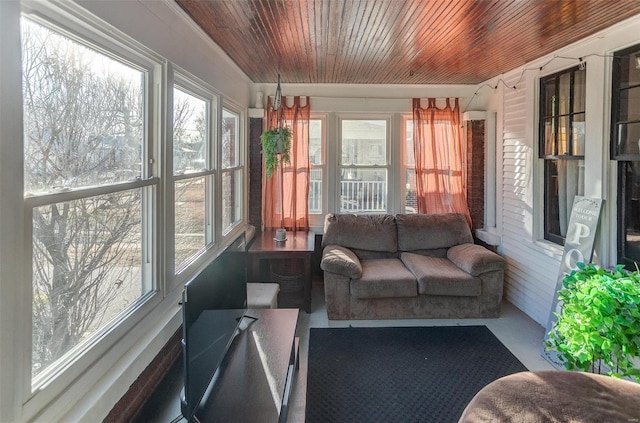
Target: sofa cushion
{"type": "Point", "coordinates": [475, 259]}
{"type": "Point", "coordinates": [438, 276]}
{"type": "Point", "coordinates": [375, 232]}
{"type": "Point", "coordinates": [337, 259]}
{"type": "Point", "coordinates": [429, 231]}
{"type": "Point", "coordinates": [384, 278]}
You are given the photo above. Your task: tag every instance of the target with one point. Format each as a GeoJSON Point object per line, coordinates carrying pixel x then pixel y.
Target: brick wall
{"type": "Point", "coordinates": [255, 172]}
{"type": "Point", "coordinates": [131, 403]}
{"type": "Point", "coordinates": [475, 171]}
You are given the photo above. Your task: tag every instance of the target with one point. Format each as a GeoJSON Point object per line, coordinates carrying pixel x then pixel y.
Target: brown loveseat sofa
{"type": "Point", "coordinates": [408, 266]}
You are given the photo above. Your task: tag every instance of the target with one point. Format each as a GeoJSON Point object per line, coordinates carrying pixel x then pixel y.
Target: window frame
{"type": "Point", "coordinates": [387, 166]}
{"type": "Point", "coordinates": [621, 160]}
{"type": "Point", "coordinates": [82, 27]}
{"type": "Point", "coordinates": [406, 118]}
{"type": "Point", "coordinates": [316, 219]}
{"type": "Point", "coordinates": [190, 84]}
{"type": "Point", "coordinates": [549, 159]}
{"type": "Point", "coordinates": [239, 168]}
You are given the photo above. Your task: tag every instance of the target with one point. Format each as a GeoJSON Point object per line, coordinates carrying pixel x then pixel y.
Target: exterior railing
{"type": "Point", "coordinates": [356, 196]}
{"type": "Point", "coordinates": [363, 196]}
{"type": "Point", "coordinates": [315, 197]}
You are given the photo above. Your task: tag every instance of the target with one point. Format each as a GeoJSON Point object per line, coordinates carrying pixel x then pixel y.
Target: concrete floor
{"type": "Point", "coordinates": [515, 330]}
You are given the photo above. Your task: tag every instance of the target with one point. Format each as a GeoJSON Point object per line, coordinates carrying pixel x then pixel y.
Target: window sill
{"type": "Point", "coordinates": [489, 237]}
{"type": "Point", "coordinates": [91, 396]}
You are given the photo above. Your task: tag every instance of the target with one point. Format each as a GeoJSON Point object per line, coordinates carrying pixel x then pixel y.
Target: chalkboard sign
{"type": "Point", "coordinates": [578, 248]}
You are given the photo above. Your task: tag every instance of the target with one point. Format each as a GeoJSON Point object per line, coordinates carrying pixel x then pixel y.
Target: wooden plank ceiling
{"type": "Point", "coordinates": [397, 41]}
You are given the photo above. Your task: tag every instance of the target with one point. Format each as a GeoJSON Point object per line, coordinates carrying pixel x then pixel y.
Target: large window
{"type": "Point", "coordinates": [317, 165]}
{"type": "Point", "coordinates": [89, 191]}
{"type": "Point", "coordinates": [363, 165]}
{"type": "Point", "coordinates": [562, 123]}
{"type": "Point", "coordinates": [131, 182]}
{"type": "Point", "coordinates": [193, 170]}
{"type": "Point", "coordinates": [409, 162]}
{"type": "Point", "coordinates": [625, 148]}
{"type": "Point", "coordinates": [232, 170]}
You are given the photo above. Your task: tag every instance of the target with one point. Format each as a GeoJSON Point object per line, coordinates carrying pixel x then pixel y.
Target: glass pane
{"type": "Point", "coordinates": [630, 105]}
{"type": "Point", "coordinates": [231, 199]}
{"type": "Point", "coordinates": [190, 218]}
{"type": "Point", "coordinates": [409, 153]}
{"type": "Point", "coordinates": [411, 195]}
{"type": "Point", "coordinates": [579, 90]}
{"type": "Point", "coordinates": [628, 139]}
{"type": "Point", "coordinates": [550, 106]}
{"type": "Point", "coordinates": [363, 190]}
{"type": "Point", "coordinates": [315, 142]}
{"type": "Point", "coordinates": [83, 114]}
{"type": "Point", "coordinates": [549, 136]}
{"type": "Point", "coordinates": [564, 179]}
{"type": "Point", "coordinates": [230, 139]}
{"type": "Point", "coordinates": [315, 191]}
{"type": "Point", "coordinates": [577, 134]}
{"type": "Point", "coordinates": [86, 270]}
{"type": "Point", "coordinates": [364, 142]}
{"type": "Point", "coordinates": [563, 135]}
{"type": "Point", "coordinates": [190, 125]}
{"type": "Point", "coordinates": [631, 214]}
{"type": "Point", "coordinates": [564, 92]}
{"type": "Point", "coordinates": [629, 69]}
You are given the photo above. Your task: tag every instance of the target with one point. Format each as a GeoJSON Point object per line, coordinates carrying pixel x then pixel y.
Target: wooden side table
{"type": "Point", "coordinates": [299, 245]}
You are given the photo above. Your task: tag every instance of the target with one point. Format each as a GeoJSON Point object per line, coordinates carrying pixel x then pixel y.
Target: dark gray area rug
{"type": "Point", "coordinates": [404, 374]}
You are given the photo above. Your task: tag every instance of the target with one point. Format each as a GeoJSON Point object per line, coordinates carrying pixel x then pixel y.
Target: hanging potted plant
{"type": "Point", "coordinates": [598, 328]}
{"type": "Point", "coordinates": [276, 147]}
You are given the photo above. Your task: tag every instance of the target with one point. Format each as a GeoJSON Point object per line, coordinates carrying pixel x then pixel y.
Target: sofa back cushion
{"type": "Point", "coordinates": [373, 232]}
{"type": "Point", "coordinates": [430, 231]}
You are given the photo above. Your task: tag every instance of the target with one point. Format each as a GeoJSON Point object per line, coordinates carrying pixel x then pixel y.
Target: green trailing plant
{"type": "Point", "coordinates": [598, 328]}
{"type": "Point", "coordinates": [276, 147]}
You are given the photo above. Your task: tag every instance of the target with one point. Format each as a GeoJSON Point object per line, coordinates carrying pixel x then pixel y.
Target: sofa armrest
{"type": "Point", "coordinates": [475, 259]}
{"type": "Point", "coordinates": [341, 260]}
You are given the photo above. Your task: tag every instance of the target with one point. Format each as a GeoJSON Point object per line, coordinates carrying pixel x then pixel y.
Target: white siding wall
{"type": "Point", "coordinates": [530, 280]}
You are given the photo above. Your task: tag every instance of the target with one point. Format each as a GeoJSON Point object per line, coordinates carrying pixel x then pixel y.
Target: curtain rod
{"type": "Point", "coordinates": [369, 98]}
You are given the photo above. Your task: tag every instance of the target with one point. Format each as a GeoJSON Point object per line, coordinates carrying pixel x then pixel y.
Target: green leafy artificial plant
{"type": "Point", "coordinates": [599, 323]}
{"type": "Point", "coordinates": [274, 142]}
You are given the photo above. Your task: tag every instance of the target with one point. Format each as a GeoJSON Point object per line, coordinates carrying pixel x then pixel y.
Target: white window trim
{"type": "Point", "coordinates": [12, 239]}
{"type": "Point", "coordinates": [404, 118]}
{"type": "Point", "coordinates": [317, 219]}
{"type": "Point", "coordinates": [533, 118]}
{"type": "Point", "coordinates": [548, 246]}
{"type": "Point", "coordinates": [232, 107]}
{"type": "Point", "coordinates": [80, 25]}
{"type": "Point", "coordinates": [191, 84]}
{"type": "Point", "coordinates": [83, 395]}
{"type": "Point", "coordinates": [389, 165]}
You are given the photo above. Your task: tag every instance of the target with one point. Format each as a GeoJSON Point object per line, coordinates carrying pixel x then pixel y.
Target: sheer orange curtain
{"type": "Point", "coordinates": [285, 194]}
{"type": "Point", "coordinates": [437, 143]}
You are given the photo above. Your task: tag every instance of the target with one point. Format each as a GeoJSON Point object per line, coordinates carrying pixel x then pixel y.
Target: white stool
{"type": "Point", "coordinates": [262, 295]}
